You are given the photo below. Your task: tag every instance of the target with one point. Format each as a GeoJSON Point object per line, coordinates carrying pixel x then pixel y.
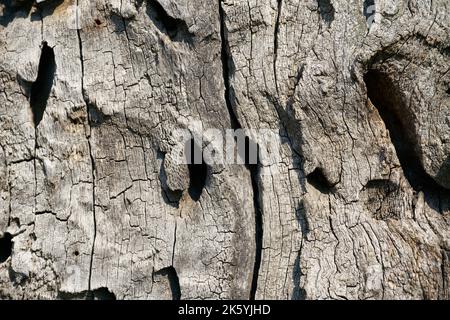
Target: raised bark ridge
{"type": "Point", "coordinates": [355, 205]}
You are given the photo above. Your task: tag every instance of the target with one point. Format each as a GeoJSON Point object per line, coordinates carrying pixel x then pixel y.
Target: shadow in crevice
{"type": "Point", "coordinates": [174, 282]}
{"type": "Point", "coordinates": [251, 152]}
{"type": "Point", "coordinates": [298, 293]}
{"type": "Point", "coordinates": [176, 29]}
{"type": "Point", "coordinates": [42, 87]}
{"type": "Point", "coordinates": [250, 155]}
{"type": "Point", "coordinates": [97, 294]}
{"type": "Point", "coordinates": [96, 116]}
{"type": "Point", "coordinates": [383, 196]}
{"type": "Point", "coordinates": [46, 8]}
{"type": "Point", "coordinates": [198, 169]}
{"type": "Point", "coordinates": [385, 96]}
{"type": "Point", "coordinates": [101, 294]}
{"type": "Point", "coordinates": [368, 8]}
{"type": "Point", "coordinates": [228, 69]}
{"type": "Point", "coordinates": [13, 9]}
{"type": "Point", "coordinates": [6, 245]}
{"type": "Point", "coordinates": [326, 11]}
{"type": "Point", "coordinates": [319, 181]}
{"type": "Point", "coordinates": [444, 171]}
{"type": "Point", "coordinates": [302, 219]}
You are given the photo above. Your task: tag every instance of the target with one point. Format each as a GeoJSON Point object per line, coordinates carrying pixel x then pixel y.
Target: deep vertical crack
{"type": "Point", "coordinates": [88, 136]}
{"type": "Point", "coordinates": [174, 243]}
{"type": "Point", "coordinates": [34, 102]}
{"type": "Point", "coordinates": [225, 56]}
{"type": "Point", "coordinates": [444, 272]}
{"type": "Point", "coordinates": [259, 231]}
{"type": "Point", "coordinates": [253, 168]}
{"type": "Point", "coordinates": [276, 43]}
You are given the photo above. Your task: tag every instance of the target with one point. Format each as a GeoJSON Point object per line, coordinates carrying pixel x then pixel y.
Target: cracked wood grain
{"type": "Point", "coordinates": [355, 205]}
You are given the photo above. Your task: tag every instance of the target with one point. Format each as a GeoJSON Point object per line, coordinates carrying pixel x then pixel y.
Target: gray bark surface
{"type": "Point", "coordinates": [355, 205]}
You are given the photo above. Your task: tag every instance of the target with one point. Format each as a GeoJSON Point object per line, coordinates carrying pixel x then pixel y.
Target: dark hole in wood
{"type": "Point", "coordinates": [326, 10]}
{"type": "Point", "coordinates": [171, 274]}
{"type": "Point", "coordinates": [198, 170]}
{"type": "Point", "coordinates": [41, 88]}
{"type": "Point", "coordinates": [101, 294]}
{"type": "Point", "coordinates": [318, 180]}
{"type": "Point", "coordinates": [97, 294]}
{"type": "Point", "coordinates": [6, 245]}
{"type": "Point", "coordinates": [176, 29]}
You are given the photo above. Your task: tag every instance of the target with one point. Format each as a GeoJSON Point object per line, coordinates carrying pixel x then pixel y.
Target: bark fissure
{"type": "Point", "coordinates": [444, 272]}
{"type": "Point", "coordinates": [98, 206]}
{"type": "Point", "coordinates": [259, 228]}
{"type": "Point", "coordinates": [88, 137]}
{"type": "Point", "coordinates": [276, 44]}
{"type": "Point", "coordinates": [253, 168]}
{"type": "Point", "coordinates": [174, 244]}
{"type": "Point", "coordinates": [225, 57]}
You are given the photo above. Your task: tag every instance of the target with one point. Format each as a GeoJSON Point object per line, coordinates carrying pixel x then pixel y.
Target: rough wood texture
{"type": "Point", "coordinates": [354, 205]}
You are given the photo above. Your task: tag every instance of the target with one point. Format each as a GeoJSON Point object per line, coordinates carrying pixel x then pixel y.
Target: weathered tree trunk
{"type": "Point", "coordinates": [353, 201]}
